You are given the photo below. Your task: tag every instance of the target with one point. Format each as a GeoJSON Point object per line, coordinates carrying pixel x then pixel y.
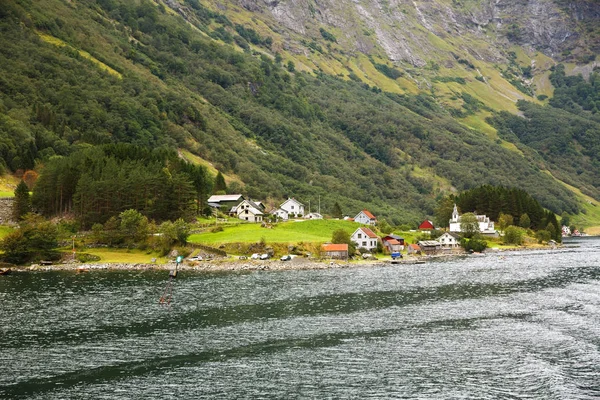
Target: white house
{"type": "Point", "coordinates": [247, 210]}
{"type": "Point", "coordinates": [313, 215]}
{"type": "Point", "coordinates": [293, 206]}
{"type": "Point", "coordinates": [280, 214]}
{"type": "Point", "coordinates": [364, 238]}
{"type": "Point", "coordinates": [366, 218]}
{"type": "Point", "coordinates": [449, 240]}
{"type": "Point", "coordinates": [486, 226]}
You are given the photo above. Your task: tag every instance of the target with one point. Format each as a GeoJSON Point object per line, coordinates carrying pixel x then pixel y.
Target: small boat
{"type": "Point", "coordinates": [5, 271]}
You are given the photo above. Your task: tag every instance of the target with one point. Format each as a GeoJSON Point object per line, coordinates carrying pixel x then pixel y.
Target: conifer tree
{"type": "Point", "coordinates": [337, 211]}
{"type": "Point", "coordinates": [220, 185]}
{"type": "Point", "coordinates": [22, 202]}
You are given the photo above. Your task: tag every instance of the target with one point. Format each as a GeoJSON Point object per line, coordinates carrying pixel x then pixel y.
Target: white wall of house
{"type": "Point", "coordinates": [362, 218]}
{"type": "Point", "coordinates": [281, 214]}
{"type": "Point", "coordinates": [293, 206]}
{"type": "Point", "coordinates": [362, 240]}
{"type": "Point", "coordinates": [485, 224]}
{"type": "Point", "coordinates": [448, 241]}
{"type": "Point", "coordinates": [247, 212]}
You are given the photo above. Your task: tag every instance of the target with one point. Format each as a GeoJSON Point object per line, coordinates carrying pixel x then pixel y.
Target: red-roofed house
{"type": "Point", "coordinates": [333, 250]}
{"type": "Point", "coordinates": [366, 218]}
{"type": "Point", "coordinates": [392, 245]}
{"type": "Point", "coordinates": [364, 238]}
{"type": "Point", "coordinates": [426, 225]}
{"type": "Point", "coordinates": [413, 249]}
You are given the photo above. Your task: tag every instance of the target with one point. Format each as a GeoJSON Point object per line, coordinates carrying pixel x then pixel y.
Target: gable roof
{"type": "Point", "coordinates": [427, 224]}
{"type": "Point", "coordinates": [367, 232]}
{"type": "Point", "coordinates": [367, 213]}
{"type": "Point", "coordinates": [335, 247]}
{"type": "Point", "coordinates": [414, 246]}
{"type": "Point", "coordinates": [291, 199]}
{"type": "Point", "coordinates": [224, 197]}
{"type": "Point", "coordinates": [393, 241]}
{"type": "Point", "coordinates": [394, 237]}
{"type": "Point", "coordinates": [429, 243]}
{"type": "Point", "coordinates": [254, 208]}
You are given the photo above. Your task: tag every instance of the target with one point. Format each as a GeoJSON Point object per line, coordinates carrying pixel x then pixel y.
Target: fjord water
{"type": "Point", "coordinates": [513, 325]}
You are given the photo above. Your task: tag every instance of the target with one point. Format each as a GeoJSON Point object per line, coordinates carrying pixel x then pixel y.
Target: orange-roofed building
{"type": "Point", "coordinates": [366, 218]}
{"type": "Point", "coordinates": [334, 250]}
{"type": "Point", "coordinates": [413, 249]}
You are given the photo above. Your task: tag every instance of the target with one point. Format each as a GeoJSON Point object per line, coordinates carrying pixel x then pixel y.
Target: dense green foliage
{"type": "Point", "coordinates": [35, 240]}
{"type": "Point", "coordinates": [565, 133]}
{"type": "Point", "coordinates": [281, 132]}
{"type": "Point", "coordinates": [514, 235]}
{"type": "Point", "coordinates": [500, 201]}
{"type": "Point", "coordinates": [22, 201]}
{"type": "Point", "coordinates": [469, 225]}
{"type": "Point", "coordinates": [475, 244]}
{"type": "Point", "coordinates": [575, 94]}
{"type": "Point", "coordinates": [101, 182]}
{"type": "Point", "coordinates": [132, 229]}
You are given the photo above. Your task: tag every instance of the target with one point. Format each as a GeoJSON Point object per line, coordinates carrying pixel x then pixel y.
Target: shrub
{"type": "Point", "coordinates": [477, 245]}
{"type": "Point", "coordinates": [513, 235]}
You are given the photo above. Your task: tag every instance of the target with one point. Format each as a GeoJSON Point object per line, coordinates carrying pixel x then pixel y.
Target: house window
{"type": "Point", "coordinates": [359, 236]}
{"type": "Point", "coordinates": [292, 207]}
{"type": "Point", "coordinates": [364, 243]}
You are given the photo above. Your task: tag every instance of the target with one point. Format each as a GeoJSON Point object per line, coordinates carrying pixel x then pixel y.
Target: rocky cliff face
{"type": "Point", "coordinates": [402, 29]}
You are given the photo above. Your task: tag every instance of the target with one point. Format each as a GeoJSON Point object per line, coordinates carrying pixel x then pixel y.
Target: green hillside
{"type": "Point", "coordinates": [220, 86]}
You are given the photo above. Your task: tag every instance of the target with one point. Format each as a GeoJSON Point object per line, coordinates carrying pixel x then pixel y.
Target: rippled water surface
{"type": "Point", "coordinates": [518, 326]}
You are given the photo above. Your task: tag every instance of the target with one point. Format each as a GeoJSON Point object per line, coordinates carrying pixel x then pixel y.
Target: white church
{"type": "Point", "coordinates": [486, 226]}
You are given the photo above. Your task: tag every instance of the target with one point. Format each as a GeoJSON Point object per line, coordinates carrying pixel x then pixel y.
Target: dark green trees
{"type": "Point", "coordinates": [336, 211]}
{"type": "Point", "coordinates": [97, 183]}
{"type": "Point", "coordinates": [220, 185]}
{"type": "Point", "coordinates": [22, 201]}
{"type": "Point", "coordinates": [35, 239]}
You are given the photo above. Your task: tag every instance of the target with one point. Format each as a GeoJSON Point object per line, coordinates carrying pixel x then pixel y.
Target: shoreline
{"type": "Point", "coordinates": [261, 265]}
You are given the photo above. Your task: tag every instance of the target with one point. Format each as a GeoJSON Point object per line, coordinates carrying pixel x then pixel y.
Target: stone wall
{"type": "Point", "coordinates": [6, 210]}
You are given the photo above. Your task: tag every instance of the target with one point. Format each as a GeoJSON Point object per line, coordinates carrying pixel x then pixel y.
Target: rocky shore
{"type": "Point", "coordinates": [225, 265]}
{"type": "Point", "coordinates": [228, 265]}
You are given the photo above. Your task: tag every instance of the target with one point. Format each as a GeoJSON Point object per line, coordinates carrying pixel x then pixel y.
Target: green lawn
{"type": "Point", "coordinates": [134, 256]}
{"type": "Point", "coordinates": [286, 232]}
{"type": "Point", "coordinates": [7, 194]}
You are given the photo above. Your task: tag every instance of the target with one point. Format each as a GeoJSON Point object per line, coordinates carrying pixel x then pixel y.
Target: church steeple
{"type": "Point", "coordinates": [455, 214]}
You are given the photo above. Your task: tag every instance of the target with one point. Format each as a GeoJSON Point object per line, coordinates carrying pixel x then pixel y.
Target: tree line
{"type": "Point", "coordinates": [506, 206]}
{"type": "Point", "coordinates": [100, 182]}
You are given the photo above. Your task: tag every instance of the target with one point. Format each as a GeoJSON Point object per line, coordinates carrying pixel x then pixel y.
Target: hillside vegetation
{"type": "Point", "coordinates": [89, 73]}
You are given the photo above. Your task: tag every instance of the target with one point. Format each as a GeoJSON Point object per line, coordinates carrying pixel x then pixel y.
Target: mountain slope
{"type": "Point", "coordinates": [284, 111]}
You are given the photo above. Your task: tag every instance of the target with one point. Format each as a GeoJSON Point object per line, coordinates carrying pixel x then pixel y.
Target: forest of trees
{"type": "Point", "coordinates": [280, 132]}
{"type": "Point", "coordinates": [98, 183]}
{"type": "Point", "coordinates": [566, 133]}
{"type": "Point", "coordinates": [497, 202]}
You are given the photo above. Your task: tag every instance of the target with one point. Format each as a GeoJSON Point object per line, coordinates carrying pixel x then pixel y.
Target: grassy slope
{"type": "Point", "coordinates": [8, 183]}
{"type": "Point", "coordinates": [286, 232]}
{"type": "Point", "coordinates": [313, 232]}
{"type": "Point", "coordinates": [124, 256]}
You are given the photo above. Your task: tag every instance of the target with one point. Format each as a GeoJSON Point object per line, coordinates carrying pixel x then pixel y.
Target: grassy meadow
{"type": "Point", "coordinates": [133, 256]}
{"type": "Point", "coordinates": [286, 232]}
